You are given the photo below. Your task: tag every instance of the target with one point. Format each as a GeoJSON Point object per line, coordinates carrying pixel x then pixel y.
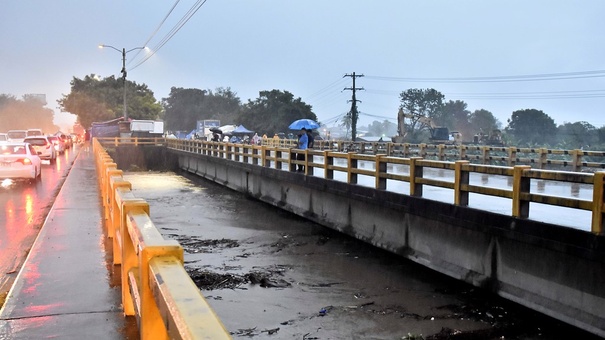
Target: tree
{"type": "Point", "coordinates": [184, 107]}
{"type": "Point", "coordinates": [382, 129]}
{"type": "Point", "coordinates": [92, 100]}
{"type": "Point", "coordinates": [455, 116]}
{"type": "Point", "coordinates": [531, 126]}
{"type": "Point", "coordinates": [483, 121]}
{"type": "Point", "coordinates": [420, 103]}
{"type": "Point", "coordinates": [273, 111]}
{"type": "Point", "coordinates": [577, 135]}
{"type": "Point", "coordinates": [26, 113]}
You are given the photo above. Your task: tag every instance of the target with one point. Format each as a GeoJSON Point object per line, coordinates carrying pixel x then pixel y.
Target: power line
{"type": "Point", "coordinates": [156, 30]}
{"type": "Point", "coordinates": [173, 31]}
{"type": "Point", "coordinates": [494, 79]}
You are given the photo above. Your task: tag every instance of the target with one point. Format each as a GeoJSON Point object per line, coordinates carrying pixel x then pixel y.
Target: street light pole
{"type": "Point", "coordinates": [123, 51]}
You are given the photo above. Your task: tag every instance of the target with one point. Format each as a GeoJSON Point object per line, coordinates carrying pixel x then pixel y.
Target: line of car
{"type": "Point", "coordinates": [22, 152]}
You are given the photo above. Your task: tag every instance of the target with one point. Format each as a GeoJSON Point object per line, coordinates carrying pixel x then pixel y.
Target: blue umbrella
{"type": "Point", "coordinates": [308, 124]}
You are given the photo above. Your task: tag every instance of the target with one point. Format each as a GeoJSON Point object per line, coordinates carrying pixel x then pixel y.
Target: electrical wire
{"type": "Point", "coordinates": [518, 78]}
{"type": "Point", "coordinates": [156, 30]}
{"type": "Point", "coordinates": [173, 31]}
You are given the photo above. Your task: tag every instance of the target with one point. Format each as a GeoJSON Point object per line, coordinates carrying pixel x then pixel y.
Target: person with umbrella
{"type": "Point", "coordinates": [303, 141]}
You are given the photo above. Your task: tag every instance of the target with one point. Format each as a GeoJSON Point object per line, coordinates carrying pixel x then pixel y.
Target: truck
{"type": "Point", "coordinates": [494, 138]}
{"type": "Point", "coordinates": [439, 134]}
{"type": "Point", "coordinates": [203, 128]}
{"type": "Point", "coordinates": [146, 128]}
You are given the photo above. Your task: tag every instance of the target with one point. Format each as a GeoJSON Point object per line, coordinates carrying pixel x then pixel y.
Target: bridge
{"type": "Point", "coordinates": [553, 269]}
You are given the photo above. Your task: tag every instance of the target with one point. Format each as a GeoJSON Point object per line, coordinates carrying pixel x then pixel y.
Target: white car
{"type": "Point", "coordinates": [44, 147]}
{"type": "Point", "coordinates": [19, 161]}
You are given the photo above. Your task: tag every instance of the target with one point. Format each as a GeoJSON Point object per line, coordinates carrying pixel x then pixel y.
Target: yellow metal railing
{"type": "Point", "coordinates": [156, 289]}
{"type": "Point", "coordinates": [540, 158]}
{"type": "Point", "coordinates": [520, 175]}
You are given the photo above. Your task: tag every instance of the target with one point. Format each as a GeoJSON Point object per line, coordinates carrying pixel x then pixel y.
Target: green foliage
{"type": "Point", "coordinates": [455, 116]}
{"type": "Point", "coordinates": [531, 127]}
{"type": "Point", "coordinates": [95, 100]}
{"type": "Point", "coordinates": [483, 121]}
{"type": "Point", "coordinates": [26, 113]}
{"type": "Point", "coordinates": [382, 129]}
{"type": "Point", "coordinates": [184, 107]}
{"type": "Point", "coordinates": [577, 135]}
{"type": "Point", "coordinates": [273, 111]}
{"type": "Point", "coordinates": [420, 103]}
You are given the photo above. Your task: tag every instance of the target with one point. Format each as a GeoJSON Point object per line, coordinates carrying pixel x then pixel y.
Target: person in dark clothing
{"type": "Point", "coordinates": [311, 139]}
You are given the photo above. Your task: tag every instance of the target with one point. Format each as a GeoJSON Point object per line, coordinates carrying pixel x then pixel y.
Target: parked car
{"type": "Point", "coordinates": [44, 147]}
{"type": "Point", "coordinates": [19, 161]}
{"type": "Point", "coordinates": [58, 143]}
{"type": "Point", "coordinates": [16, 135]}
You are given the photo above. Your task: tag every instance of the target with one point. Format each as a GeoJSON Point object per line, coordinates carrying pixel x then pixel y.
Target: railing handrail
{"type": "Point", "coordinates": [155, 286]}
{"type": "Point", "coordinates": [278, 157]}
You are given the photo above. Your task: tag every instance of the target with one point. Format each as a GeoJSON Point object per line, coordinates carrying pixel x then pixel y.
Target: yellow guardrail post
{"type": "Point", "coordinates": [129, 253]}
{"type": "Point", "coordinates": [543, 159]}
{"type": "Point", "coordinates": [461, 180]}
{"type": "Point", "coordinates": [577, 159]}
{"type": "Point", "coordinates": [306, 162]}
{"type": "Point", "coordinates": [328, 162]}
{"type": "Point", "coordinates": [598, 194]}
{"type": "Point", "coordinates": [381, 168]}
{"type": "Point", "coordinates": [122, 186]}
{"type": "Point", "coordinates": [441, 152]}
{"type": "Point", "coordinates": [416, 171]}
{"type": "Point", "coordinates": [107, 202]}
{"type": "Point", "coordinates": [351, 164]}
{"type": "Point", "coordinates": [512, 156]}
{"type": "Point", "coordinates": [265, 152]}
{"type": "Point", "coordinates": [521, 187]}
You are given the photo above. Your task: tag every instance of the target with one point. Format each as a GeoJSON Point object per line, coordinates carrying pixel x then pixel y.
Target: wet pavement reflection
{"type": "Point", "coordinates": [25, 205]}
{"type": "Point", "coordinates": [270, 274]}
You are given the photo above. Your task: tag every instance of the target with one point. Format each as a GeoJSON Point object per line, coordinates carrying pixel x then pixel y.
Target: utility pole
{"type": "Point", "coordinates": [353, 113]}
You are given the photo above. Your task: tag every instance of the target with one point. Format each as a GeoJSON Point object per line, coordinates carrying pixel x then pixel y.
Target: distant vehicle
{"type": "Point", "coordinates": [146, 128]}
{"type": "Point", "coordinates": [66, 139]}
{"type": "Point", "coordinates": [3, 137]}
{"type": "Point", "coordinates": [44, 147]}
{"type": "Point", "coordinates": [494, 138]}
{"type": "Point", "coordinates": [58, 143]}
{"type": "Point", "coordinates": [34, 132]}
{"type": "Point", "coordinates": [16, 135]}
{"type": "Point", "coordinates": [439, 134]}
{"type": "Point", "coordinates": [19, 161]}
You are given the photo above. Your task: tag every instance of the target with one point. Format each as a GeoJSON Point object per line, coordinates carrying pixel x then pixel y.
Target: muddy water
{"type": "Point", "coordinates": [269, 274]}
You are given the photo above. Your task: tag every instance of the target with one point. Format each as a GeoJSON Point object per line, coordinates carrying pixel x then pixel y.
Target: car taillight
{"type": "Point", "coordinates": [24, 161]}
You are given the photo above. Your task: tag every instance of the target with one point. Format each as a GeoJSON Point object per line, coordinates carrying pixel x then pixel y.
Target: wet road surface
{"type": "Point", "coordinates": [25, 205]}
{"type": "Point", "coordinates": [270, 274]}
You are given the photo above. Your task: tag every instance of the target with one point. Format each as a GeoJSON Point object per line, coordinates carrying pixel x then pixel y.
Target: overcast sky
{"type": "Point", "coordinates": [500, 56]}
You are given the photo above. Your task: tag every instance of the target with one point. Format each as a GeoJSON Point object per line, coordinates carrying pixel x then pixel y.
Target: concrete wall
{"type": "Point", "coordinates": [555, 270]}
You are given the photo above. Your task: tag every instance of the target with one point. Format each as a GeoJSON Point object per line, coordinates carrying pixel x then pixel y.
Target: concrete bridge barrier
{"type": "Point", "coordinates": [552, 269]}
{"type": "Point", "coordinates": [156, 289]}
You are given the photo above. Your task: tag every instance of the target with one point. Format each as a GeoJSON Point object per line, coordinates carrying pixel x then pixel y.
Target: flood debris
{"type": "Point", "coordinates": [194, 245]}
{"type": "Point", "coordinates": [208, 280]}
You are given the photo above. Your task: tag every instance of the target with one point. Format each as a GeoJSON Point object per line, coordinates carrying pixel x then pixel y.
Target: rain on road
{"type": "Point", "coordinates": [25, 206]}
